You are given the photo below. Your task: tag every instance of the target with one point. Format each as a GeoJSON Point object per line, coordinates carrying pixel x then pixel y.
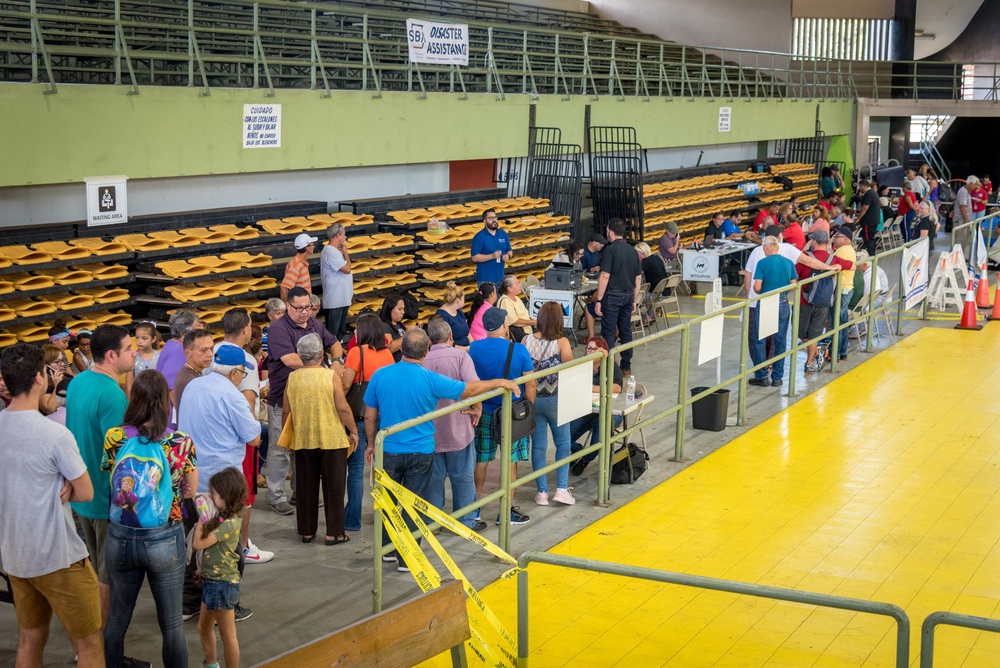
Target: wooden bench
{"type": "Point", "coordinates": [403, 635]}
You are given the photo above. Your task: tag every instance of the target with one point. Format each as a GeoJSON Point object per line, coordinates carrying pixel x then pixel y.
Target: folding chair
{"type": "Point", "coordinates": [662, 301]}
{"type": "Point", "coordinates": [895, 233]}
{"type": "Point", "coordinates": [639, 312]}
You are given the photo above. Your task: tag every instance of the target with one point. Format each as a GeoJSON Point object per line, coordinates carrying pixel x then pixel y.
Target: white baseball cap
{"type": "Point", "coordinates": [304, 240]}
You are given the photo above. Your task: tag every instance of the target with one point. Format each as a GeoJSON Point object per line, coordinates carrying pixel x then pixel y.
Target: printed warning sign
{"type": "Point", "coordinates": [261, 126]}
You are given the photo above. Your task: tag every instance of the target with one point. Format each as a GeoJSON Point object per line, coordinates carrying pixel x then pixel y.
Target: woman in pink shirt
{"type": "Point", "coordinates": [481, 302]}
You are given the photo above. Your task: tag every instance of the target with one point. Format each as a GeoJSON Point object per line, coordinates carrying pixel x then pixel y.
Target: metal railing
{"type": "Point", "coordinates": [714, 584]}
{"type": "Point", "coordinates": [964, 234]}
{"type": "Point", "coordinates": [936, 619]}
{"type": "Point", "coordinates": [276, 44]}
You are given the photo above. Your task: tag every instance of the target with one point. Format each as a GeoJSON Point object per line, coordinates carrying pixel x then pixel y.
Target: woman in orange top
{"type": "Point", "coordinates": [371, 338]}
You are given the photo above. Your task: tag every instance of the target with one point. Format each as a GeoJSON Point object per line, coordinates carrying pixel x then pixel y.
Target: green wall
{"type": "Point", "coordinates": [166, 132]}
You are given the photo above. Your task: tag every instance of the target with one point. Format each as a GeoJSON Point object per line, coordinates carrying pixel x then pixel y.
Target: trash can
{"type": "Point", "coordinates": [710, 412]}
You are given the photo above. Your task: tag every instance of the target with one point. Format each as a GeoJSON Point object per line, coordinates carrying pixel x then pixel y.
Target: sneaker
{"type": "Point", "coordinates": [777, 382]}
{"type": "Point", "coordinates": [842, 358]}
{"type": "Point", "coordinates": [818, 363]}
{"type": "Point", "coordinates": [759, 382]}
{"type": "Point", "coordinates": [282, 508]}
{"type": "Point", "coordinates": [402, 567]}
{"type": "Point", "coordinates": [479, 526]}
{"type": "Point", "coordinates": [516, 517]}
{"type": "Point", "coordinates": [254, 555]}
{"type": "Point", "coordinates": [563, 496]}
{"type": "Point", "coordinates": [242, 613]}
{"type": "Point", "coordinates": [542, 499]}
{"type": "Point", "coordinates": [477, 514]}
{"type": "Point", "coordinates": [390, 558]}
{"type": "Point", "coordinates": [578, 467]}
{"type": "Point", "coordinates": [188, 616]}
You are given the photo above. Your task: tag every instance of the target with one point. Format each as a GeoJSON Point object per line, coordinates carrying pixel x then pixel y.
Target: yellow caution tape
{"type": "Point", "coordinates": [483, 623]}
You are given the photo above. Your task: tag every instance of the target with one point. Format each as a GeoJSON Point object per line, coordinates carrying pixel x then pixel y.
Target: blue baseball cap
{"type": "Point", "coordinates": [231, 355]}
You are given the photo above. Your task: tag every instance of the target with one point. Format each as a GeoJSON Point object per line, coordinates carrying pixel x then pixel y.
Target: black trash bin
{"type": "Point", "coordinates": [710, 412]}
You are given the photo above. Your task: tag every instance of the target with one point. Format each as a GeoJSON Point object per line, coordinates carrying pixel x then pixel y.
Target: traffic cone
{"type": "Point", "coordinates": [983, 291]}
{"type": "Point", "coordinates": [969, 312]}
{"type": "Point", "coordinates": [996, 305]}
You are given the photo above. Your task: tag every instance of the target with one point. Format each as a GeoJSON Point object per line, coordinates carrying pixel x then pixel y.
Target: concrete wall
{"type": "Point", "coordinates": [764, 25]}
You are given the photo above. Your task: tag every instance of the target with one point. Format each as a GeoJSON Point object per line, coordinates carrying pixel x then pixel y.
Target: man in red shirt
{"type": "Point", "coordinates": [768, 215]}
{"type": "Point", "coordinates": [829, 201]}
{"type": "Point", "coordinates": [812, 317]}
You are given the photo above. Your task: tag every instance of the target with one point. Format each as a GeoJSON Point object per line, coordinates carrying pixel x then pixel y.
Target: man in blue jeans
{"type": "Point", "coordinates": [618, 290]}
{"type": "Point", "coordinates": [454, 455]}
{"type": "Point", "coordinates": [401, 392]}
{"type": "Point", "coordinates": [772, 273]}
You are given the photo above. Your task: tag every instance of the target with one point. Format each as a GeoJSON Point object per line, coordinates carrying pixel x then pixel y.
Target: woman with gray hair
{"type": "Point", "coordinates": [318, 425]}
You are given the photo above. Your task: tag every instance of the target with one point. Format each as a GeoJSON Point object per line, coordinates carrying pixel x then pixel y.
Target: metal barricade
{"type": "Point", "coordinates": [936, 619]}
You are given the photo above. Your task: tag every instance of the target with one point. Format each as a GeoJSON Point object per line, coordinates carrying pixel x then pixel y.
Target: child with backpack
{"type": "Point", "coordinates": [217, 534]}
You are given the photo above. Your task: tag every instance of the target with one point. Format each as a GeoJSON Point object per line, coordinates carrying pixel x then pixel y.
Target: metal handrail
{"type": "Point", "coordinates": [301, 40]}
{"type": "Point", "coordinates": [936, 619]}
{"type": "Point", "coordinates": [993, 235]}
{"type": "Point", "coordinates": [702, 582]}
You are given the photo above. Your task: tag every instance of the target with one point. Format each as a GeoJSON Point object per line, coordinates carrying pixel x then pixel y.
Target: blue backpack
{"type": "Point", "coordinates": [141, 490]}
{"type": "Point", "coordinates": [820, 293]}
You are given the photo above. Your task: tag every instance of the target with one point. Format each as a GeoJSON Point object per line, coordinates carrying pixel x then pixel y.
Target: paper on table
{"type": "Point", "coordinates": [710, 340]}
{"type": "Point", "coordinates": [768, 312]}
{"type": "Point", "coordinates": [574, 399]}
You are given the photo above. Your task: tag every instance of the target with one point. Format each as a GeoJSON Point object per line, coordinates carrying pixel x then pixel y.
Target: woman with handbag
{"type": "Point", "coordinates": [518, 321]}
{"type": "Point", "coordinates": [315, 413]}
{"type": "Point", "coordinates": [151, 469]}
{"type": "Point", "coordinates": [549, 348]}
{"type": "Point", "coordinates": [371, 354]}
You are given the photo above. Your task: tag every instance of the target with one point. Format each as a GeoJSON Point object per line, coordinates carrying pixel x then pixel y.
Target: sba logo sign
{"type": "Point", "coordinates": [416, 36]}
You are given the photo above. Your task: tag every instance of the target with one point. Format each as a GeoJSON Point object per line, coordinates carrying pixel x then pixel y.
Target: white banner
{"type": "Point", "coordinates": [767, 309]}
{"type": "Point", "coordinates": [437, 43]}
{"type": "Point", "coordinates": [261, 126]}
{"type": "Point", "coordinates": [915, 272]}
{"type": "Point", "coordinates": [107, 201]}
{"type": "Point", "coordinates": [710, 339]}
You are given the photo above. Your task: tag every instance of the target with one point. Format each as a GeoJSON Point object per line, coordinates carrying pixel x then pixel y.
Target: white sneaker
{"type": "Point", "coordinates": [253, 555]}
{"type": "Point", "coordinates": [542, 499]}
{"type": "Point", "coordinates": [563, 496]}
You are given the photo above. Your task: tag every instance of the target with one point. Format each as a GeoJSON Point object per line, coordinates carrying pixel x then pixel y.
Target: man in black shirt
{"type": "Point", "coordinates": [618, 290]}
{"type": "Point", "coordinates": [714, 229]}
{"type": "Point", "coordinates": [868, 217]}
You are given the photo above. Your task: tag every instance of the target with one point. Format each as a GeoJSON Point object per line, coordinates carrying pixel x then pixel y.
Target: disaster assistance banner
{"type": "Point", "coordinates": [437, 43]}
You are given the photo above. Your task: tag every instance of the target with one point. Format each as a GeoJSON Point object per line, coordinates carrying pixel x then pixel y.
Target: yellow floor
{"type": "Point", "coordinates": [882, 485]}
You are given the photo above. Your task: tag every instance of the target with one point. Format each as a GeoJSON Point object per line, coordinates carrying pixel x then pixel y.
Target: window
{"type": "Point", "coordinates": [841, 39]}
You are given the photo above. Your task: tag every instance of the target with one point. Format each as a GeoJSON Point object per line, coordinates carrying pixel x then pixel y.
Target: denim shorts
{"type": "Point", "coordinates": [219, 595]}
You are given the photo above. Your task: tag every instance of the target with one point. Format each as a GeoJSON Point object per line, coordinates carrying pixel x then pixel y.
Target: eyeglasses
{"type": "Point", "coordinates": [593, 349]}
{"type": "Point", "coordinates": [245, 374]}
{"type": "Point", "coordinates": [301, 309]}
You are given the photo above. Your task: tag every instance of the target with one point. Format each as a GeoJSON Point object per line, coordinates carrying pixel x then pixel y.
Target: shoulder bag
{"type": "Point", "coordinates": [515, 332]}
{"type": "Point", "coordinates": [356, 394]}
{"type": "Point", "coordinates": [522, 412]}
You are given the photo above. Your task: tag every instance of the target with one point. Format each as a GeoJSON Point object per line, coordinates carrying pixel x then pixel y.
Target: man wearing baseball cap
{"type": "Point", "coordinates": [297, 269]}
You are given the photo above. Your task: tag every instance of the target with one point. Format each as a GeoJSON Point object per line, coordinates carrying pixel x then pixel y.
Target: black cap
{"type": "Point", "coordinates": [772, 231]}
{"type": "Point", "coordinates": [598, 238]}
{"type": "Point", "coordinates": [844, 230]}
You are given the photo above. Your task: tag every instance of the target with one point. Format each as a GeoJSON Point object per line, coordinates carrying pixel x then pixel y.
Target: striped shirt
{"type": "Point", "coordinates": [297, 273]}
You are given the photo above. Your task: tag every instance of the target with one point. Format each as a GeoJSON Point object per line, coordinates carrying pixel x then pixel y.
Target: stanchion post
{"type": "Point", "coordinates": [377, 537]}
{"type": "Point", "coordinates": [522, 617]}
{"type": "Point", "coordinates": [604, 426]}
{"type": "Point", "coordinates": [682, 382]}
{"type": "Point", "coordinates": [793, 359]}
{"type": "Point", "coordinates": [835, 339]}
{"type": "Point", "coordinates": [871, 321]}
{"type": "Point", "coordinates": [505, 481]}
{"type": "Point", "coordinates": [741, 401]}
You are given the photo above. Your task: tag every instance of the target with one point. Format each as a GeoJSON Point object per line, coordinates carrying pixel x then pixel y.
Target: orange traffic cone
{"type": "Point", "coordinates": [996, 305]}
{"type": "Point", "coordinates": [983, 291]}
{"type": "Point", "coordinates": [969, 312]}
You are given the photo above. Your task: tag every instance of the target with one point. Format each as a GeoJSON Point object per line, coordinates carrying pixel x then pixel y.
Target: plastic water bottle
{"type": "Point", "coordinates": [630, 389]}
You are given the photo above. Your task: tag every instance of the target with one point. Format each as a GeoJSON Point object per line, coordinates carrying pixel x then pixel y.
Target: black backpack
{"type": "Point", "coordinates": [624, 474]}
{"type": "Point", "coordinates": [945, 193]}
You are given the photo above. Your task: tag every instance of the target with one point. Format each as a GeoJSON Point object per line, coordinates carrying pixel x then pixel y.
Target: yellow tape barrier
{"type": "Point", "coordinates": [491, 643]}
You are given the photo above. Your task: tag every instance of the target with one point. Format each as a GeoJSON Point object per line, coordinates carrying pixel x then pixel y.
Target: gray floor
{"type": "Point", "coordinates": [311, 590]}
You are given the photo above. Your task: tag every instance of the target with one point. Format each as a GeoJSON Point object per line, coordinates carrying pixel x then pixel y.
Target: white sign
{"type": "Point", "coordinates": [700, 266]}
{"type": "Point", "coordinates": [575, 393]}
{"type": "Point", "coordinates": [725, 118]}
{"type": "Point", "coordinates": [261, 126]}
{"type": "Point", "coordinates": [538, 296]}
{"type": "Point", "coordinates": [767, 310]}
{"type": "Point", "coordinates": [713, 300]}
{"type": "Point", "coordinates": [710, 339]}
{"type": "Point", "coordinates": [107, 201]}
{"type": "Point", "coordinates": [437, 43]}
{"type": "Point", "coordinates": [915, 272]}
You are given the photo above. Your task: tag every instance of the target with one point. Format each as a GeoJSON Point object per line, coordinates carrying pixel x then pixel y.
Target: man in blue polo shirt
{"type": "Point", "coordinates": [491, 250]}
{"type": "Point", "coordinates": [772, 273]}
{"type": "Point", "coordinates": [401, 392]}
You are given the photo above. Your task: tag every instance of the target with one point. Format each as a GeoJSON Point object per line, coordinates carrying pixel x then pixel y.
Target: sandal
{"type": "Point", "coordinates": [338, 540]}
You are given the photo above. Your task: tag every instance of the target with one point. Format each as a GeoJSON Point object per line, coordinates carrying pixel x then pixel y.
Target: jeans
{"type": "Point", "coordinates": [758, 346]}
{"type": "Point", "coordinates": [336, 322]}
{"type": "Point", "coordinates": [133, 554]}
{"type": "Point", "coordinates": [616, 316]}
{"type": "Point", "coordinates": [356, 482]}
{"type": "Point", "coordinates": [279, 459]}
{"type": "Point", "coordinates": [459, 466]}
{"type": "Point", "coordinates": [412, 471]}
{"type": "Point", "coordinates": [845, 299]}
{"type": "Point", "coordinates": [546, 409]}
{"type": "Point", "coordinates": [589, 423]}
{"type": "Point", "coordinates": [265, 439]}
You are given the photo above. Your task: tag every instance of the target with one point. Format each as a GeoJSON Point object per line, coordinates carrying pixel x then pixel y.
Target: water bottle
{"type": "Point", "coordinates": [630, 389]}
